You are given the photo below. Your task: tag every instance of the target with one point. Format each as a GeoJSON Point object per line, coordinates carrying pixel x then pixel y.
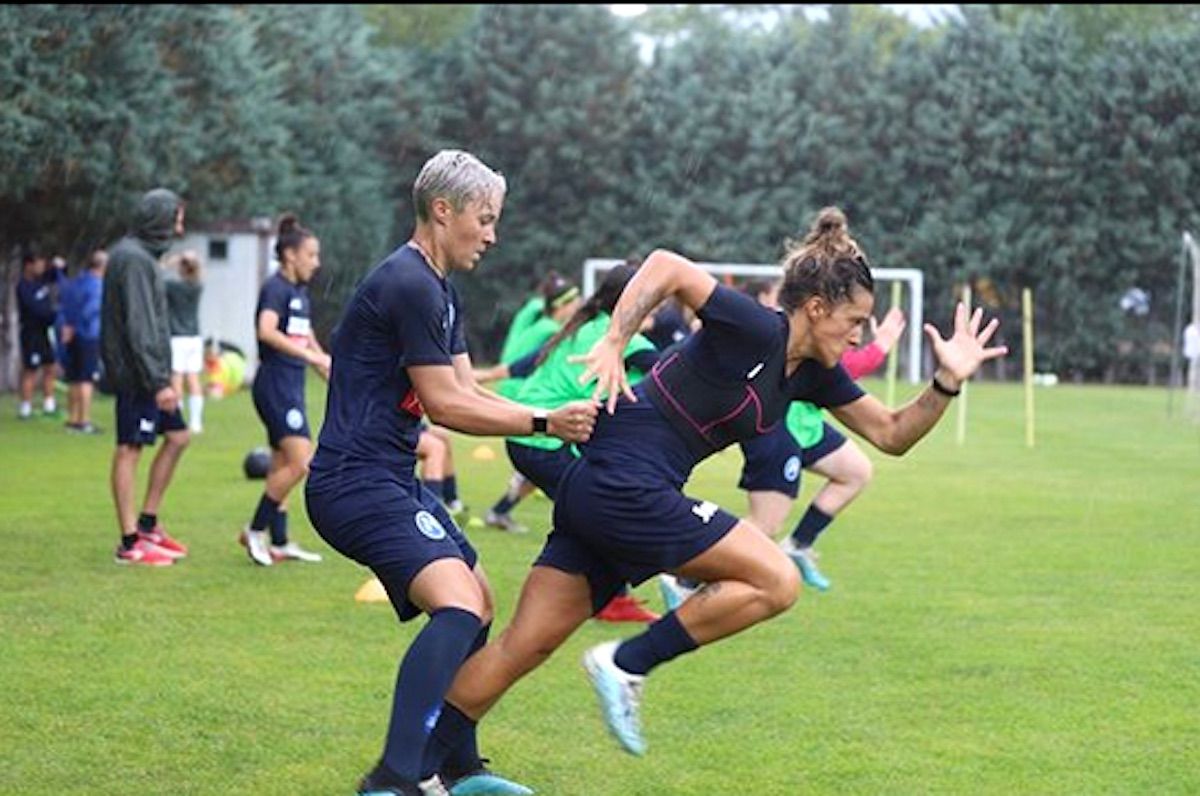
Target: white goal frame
{"type": "Point", "coordinates": [912, 277]}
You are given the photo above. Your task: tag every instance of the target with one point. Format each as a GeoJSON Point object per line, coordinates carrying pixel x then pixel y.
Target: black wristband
{"type": "Point", "coordinates": [939, 387]}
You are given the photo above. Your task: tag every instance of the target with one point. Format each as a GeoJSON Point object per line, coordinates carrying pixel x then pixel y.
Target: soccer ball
{"type": "Point", "coordinates": [256, 463]}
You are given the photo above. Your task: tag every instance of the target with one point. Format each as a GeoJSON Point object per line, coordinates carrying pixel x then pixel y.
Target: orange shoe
{"type": "Point", "coordinates": [143, 553]}
{"type": "Point", "coordinates": [168, 545]}
{"type": "Point", "coordinates": [624, 608]}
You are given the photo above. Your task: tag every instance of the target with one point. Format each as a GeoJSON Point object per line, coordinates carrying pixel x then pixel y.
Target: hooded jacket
{"type": "Point", "coordinates": [135, 336]}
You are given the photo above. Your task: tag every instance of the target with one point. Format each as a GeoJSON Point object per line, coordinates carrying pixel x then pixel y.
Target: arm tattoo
{"type": "Point", "coordinates": [630, 319]}
{"type": "Point", "coordinates": [707, 591]}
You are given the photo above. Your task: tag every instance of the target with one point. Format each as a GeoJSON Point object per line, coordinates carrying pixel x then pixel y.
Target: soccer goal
{"type": "Point", "coordinates": [911, 282]}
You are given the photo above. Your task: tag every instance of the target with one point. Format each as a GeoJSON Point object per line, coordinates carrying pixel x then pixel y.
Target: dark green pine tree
{"type": "Point", "coordinates": [545, 94]}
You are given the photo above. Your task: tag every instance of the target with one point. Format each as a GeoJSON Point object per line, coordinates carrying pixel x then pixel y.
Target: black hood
{"type": "Point", "coordinates": [154, 221]}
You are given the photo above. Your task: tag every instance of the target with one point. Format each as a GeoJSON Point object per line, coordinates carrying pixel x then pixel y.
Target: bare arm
{"type": "Point", "coordinates": [895, 431]}
{"type": "Point", "coordinates": [663, 274]}
{"type": "Point", "coordinates": [463, 407]}
{"type": "Point", "coordinates": [268, 332]}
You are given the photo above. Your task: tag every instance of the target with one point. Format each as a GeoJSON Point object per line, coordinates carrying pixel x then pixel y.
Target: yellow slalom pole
{"type": "Point", "coordinates": [961, 437]}
{"type": "Point", "coordinates": [893, 357]}
{"type": "Point", "coordinates": [1027, 339]}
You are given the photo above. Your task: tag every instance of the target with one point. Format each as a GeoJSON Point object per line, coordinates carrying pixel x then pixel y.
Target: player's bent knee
{"type": "Point", "coordinates": [783, 590]}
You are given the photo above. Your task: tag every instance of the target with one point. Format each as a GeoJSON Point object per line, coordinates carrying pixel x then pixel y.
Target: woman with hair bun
{"type": "Point", "coordinates": [286, 345]}
{"type": "Point", "coordinates": [621, 513]}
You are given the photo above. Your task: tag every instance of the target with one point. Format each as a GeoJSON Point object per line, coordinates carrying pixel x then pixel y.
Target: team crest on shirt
{"type": "Point", "coordinates": [295, 419]}
{"type": "Point", "coordinates": [791, 468]}
{"type": "Point", "coordinates": [429, 527]}
{"type": "Point", "coordinates": [296, 303]}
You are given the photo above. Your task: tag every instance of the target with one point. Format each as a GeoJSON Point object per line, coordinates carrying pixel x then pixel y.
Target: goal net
{"type": "Point", "coordinates": [911, 282]}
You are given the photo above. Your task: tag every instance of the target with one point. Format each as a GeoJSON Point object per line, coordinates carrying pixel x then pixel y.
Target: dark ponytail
{"type": "Point", "coordinates": [290, 235]}
{"type": "Point", "coordinates": [827, 263]}
{"type": "Point", "coordinates": [603, 300]}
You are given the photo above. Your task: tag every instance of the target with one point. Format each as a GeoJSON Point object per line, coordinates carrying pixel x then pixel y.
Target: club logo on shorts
{"type": "Point", "coordinates": [295, 419]}
{"type": "Point", "coordinates": [705, 510]}
{"type": "Point", "coordinates": [429, 527]}
{"type": "Point", "coordinates": [791, 468]}
{"type": "Point", "coordinates": [145, 425]}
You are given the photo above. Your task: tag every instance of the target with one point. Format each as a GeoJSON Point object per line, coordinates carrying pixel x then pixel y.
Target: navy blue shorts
{"type": "Point", "coordinates": [140, 421]}
{"type": "Point", "coordinates": [393, 530]}
{"type": "Point", "coordinates": [36, 351]}
{"type": "Point", "coordinates": [279, 402]}
{"type": "Point", "coordinates": [543, 467]}
{"type": "Point", "coordinates": [614, 527]}
{"type": "Point", "coordinates": [774, 461]}
{"type": "Point", "coordinates": [82, 361]}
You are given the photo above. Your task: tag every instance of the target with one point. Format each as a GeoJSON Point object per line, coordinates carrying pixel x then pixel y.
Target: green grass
{"type": "Point", "coordinates": [1003, 620]}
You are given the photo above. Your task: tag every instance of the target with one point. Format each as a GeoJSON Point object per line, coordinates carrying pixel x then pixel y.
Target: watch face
{"type": "Point", "coordinates": [540, 424]}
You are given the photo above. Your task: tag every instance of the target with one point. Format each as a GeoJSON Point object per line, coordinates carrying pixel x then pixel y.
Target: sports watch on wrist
{"type": "Point", "coordinates": [541, 423]}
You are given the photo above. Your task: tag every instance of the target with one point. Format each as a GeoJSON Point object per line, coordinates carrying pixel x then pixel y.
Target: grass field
{"type": "Point", "coordinates": [1003, 620]}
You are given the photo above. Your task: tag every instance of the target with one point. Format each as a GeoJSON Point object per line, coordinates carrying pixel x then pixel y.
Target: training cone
{"type": "Point", "coordinates": [371, 592]}
{"type": "Point", "coordinates": [483, 453]}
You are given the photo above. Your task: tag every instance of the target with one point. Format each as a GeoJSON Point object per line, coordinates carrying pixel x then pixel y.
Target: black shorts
{"type": "Point", "coordinates": [543, 467]}
{"type": "Point", "coordinates": [617, 527]}
{"type": "Point", "coordinates": [36, 351]}
{"type": "Point", "coordinates": [140, 421]}
{"type": "Point", "coordinates": [82, 361]}
{"type": "Point", "coordinates": [396, 531]}
{"type": "Point", "coordinates": [279, 401]}
{"type": "Point", "coordinates": [774, 462]}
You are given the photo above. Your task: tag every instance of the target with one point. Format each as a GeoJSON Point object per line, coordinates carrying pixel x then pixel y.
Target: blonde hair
{"type": "Point", "coordinates": [458, 177]}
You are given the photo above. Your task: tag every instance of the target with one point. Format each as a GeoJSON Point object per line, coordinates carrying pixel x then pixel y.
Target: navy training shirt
{"type": "Point", "coordinates": [738, 337]}
{"type": "Point", "coordinates": [402, 314]}
{"type": "Point", "coordinates": [291, 303]}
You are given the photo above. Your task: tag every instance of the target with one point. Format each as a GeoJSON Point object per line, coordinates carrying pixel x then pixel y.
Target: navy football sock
{"type": "Point", "coordinates": [279, 531]}
{"type": "Point", "coordinates": [662, 641]}
{"type": "Point", "coordinates": [454, 745]}
{"type": "Point", "coordinates": [438, 488]}
{"type": "Point", "coordinates": [264, 514]}
{"type": "Point", "coordinates": [451, 489]}
{"type": "Point", "coordinates": [146, 522]}
{"type": "Point", "coordinates": [424, 678]}
{"type": "Point", "coordinates": [810, 527]}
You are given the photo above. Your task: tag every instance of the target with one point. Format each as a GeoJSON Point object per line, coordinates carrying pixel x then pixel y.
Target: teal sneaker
{"type": "Point", "coordinates": [805, 560]}
{"type": "Point", "coordinates": [484, 782]}
{"type": "Point", "coordinates": [620, 696]}
{"type": "Point", "coordinates": [674, 590]}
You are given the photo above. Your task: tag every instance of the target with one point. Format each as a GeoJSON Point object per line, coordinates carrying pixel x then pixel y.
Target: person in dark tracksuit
{"type": "Point", "coordinates": [135, 346]}
{"type": "Point", "coordinates": [621, 514]}
{"type": "Point", "coordinates": [399, 354]}
{"type": "Point", "coordinates": [36, 313]}
{"type": "Point", "coordinates": [286, 345]}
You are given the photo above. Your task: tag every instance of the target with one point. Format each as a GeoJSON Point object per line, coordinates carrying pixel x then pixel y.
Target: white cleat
{"type": "Point", "coordinates": [256, 543]}
{"type": "Point", "coordinates": [294, 552]}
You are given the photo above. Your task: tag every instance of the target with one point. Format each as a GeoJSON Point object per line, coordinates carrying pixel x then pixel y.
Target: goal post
{"type": "Point", "coordinates": [910, 278]}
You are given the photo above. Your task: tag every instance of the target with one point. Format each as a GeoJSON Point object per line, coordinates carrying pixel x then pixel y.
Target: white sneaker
{"type": "Point", "coordinates": [256, 546]}
{"type": "Point", "coordinates": [433, 786]}
{"type": "Point", "coordinates": [294, 552]}
{"type": "Point", "coordinates": [620, 695]}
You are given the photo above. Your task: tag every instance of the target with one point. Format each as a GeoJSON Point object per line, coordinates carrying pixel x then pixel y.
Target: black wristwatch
{"type": "Point", "coordinates": [541, 423]}
{"type": "Point", "coordinates": [943, 389]}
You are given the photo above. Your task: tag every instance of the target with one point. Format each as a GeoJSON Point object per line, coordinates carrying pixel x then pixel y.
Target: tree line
{"type": "Point", "coordinates": [1048, 147]}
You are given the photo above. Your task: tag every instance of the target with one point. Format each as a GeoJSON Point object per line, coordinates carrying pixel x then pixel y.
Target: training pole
{"type": "Point", "coordinates": [1027, 339]}
{"type": "Point", "coordinates": [893, 358]}
{"type": "Point", "coordinates": [961, 435]}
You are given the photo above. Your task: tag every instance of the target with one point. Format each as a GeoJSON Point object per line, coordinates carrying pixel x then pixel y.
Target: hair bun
{"type": "Point", "coordinates": [830, 219]}
{"type": "Point", "coordinates": [288, 222]}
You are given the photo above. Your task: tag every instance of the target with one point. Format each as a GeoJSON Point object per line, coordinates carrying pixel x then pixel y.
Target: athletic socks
{"type": "Point", "coordinates": [438, 488]}
{"type": "Point", "coordinates": [453, 745]}
{"type": "Point", "coordinates": [195, 412]}
{"type": "Point", "coordinates": [128, 541]}
{"type": "Point", "coordinates": [662, 641]}
{"type": "Point", "coordinates": [810, 527]}
{"type": "Point", "coordinates": [279, 529]}
{"type": "Point", "coordinates": [450, 489]}
{"type": "Point", "coordinates": [264, 514]}
{"type": "Point", "coordinates": [424, 678]}
{"type": "Point", "coordinates": [146, 522]}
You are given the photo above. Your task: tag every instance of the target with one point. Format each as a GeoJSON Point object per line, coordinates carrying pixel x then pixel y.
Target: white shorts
{"type": "Point", "coordinates": [187, 354]}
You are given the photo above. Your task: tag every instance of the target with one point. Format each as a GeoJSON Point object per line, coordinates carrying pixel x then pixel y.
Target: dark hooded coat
{"type": "Point", "coordinates": [135, 335]}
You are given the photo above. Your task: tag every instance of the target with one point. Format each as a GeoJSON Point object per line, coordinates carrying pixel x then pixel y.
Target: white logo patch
{"type": "Point", "coordinates": [791, 468]}
{"type": "Point", "coordinates": [754, 370]}
{"type": "Point", "coordinates": [294, 419]}
{"type": "Point", "coordinates": [296, 303]}
{"type": "Point", "coordinates": [429, 527]}
{"type": "Point", "coordinates": [705, 511]}
{"type": "Point", "coordinates": [145, 426]}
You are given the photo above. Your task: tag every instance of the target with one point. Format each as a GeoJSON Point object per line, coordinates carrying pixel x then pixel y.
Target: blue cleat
{"type": "Point", "coordinates": [620, 696]}
{"type": "Point", "coordinates": [486, 783]}
{"type": "Point", "coordinates": [675, 591]}
{"type": "Point", "coordinates": [806, 561]}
